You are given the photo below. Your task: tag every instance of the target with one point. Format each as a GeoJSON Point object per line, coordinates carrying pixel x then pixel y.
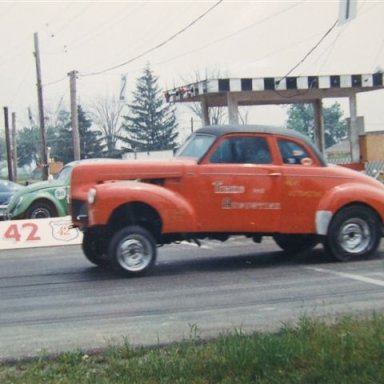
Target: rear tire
{"type": "Point", "coordinates": [294, 244]}
{"type": "Point", "coordinates": [132, 251]}
{"type": "Point", "coordinates": [354, 233]}
{"type": "Point", "coordinates": [94, 249]}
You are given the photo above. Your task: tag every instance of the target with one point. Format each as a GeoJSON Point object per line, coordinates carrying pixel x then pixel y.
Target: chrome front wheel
{"type": "Point", "coordinates": [132, 251]}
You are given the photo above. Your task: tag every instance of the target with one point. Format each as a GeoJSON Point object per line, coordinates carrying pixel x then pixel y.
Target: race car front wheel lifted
{"type": "Point", "coordinates": [132, 251]}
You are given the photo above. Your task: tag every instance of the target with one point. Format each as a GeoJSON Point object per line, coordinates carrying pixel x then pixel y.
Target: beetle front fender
{"type": "Point", "coordinates": [20, 209]}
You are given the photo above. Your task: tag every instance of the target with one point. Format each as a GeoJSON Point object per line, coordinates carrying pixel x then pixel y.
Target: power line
{"type": "Point", "coordinates": [311, 50]}
{"type": "Point", "coordinates": [226, 37]}
{"type": "Point", "coordinates": [326, 54]}
{"type": "Point", "coordinates": [56, 81]}
{"type": "Point", "coordinates": [302, 60]}
{"type": "Point", "coordinates": [156, 46]}
{"type": "Point", "coordinates": [80, 40]}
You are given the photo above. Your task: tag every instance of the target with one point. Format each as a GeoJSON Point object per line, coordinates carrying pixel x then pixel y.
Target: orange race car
{"type": "Point", "coordinates": [226, 180]}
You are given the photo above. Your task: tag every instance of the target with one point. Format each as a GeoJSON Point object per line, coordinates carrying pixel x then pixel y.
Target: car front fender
{"type": "Point", "coordinates": [176, 212]}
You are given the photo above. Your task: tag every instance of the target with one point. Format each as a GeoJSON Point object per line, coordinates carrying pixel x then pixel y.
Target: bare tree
{"type": "Point", "coordinates": [216, 115]}
{"type": "Point", "coordinates": [106, 113]}
{"type": "Point", "coordinates": [243, 115]}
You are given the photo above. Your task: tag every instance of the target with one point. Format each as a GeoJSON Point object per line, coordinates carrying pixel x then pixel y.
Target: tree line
{"type": "Point", "coordinates": [111, 127]}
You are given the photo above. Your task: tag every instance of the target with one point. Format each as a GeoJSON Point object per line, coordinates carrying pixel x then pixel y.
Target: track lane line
{"type": "Point", "coordinates": [351, 276]}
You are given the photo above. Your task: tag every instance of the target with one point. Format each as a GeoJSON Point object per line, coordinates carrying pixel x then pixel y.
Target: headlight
{"type": "Point", "coordinates": [91, 196]}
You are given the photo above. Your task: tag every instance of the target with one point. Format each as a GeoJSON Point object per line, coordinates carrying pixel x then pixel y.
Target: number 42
{"type": "Point", "coordinates": [14, 233]}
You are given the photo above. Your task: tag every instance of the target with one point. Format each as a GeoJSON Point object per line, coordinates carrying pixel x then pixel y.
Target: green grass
{"type": "Point", "coordinates": [348, 351]}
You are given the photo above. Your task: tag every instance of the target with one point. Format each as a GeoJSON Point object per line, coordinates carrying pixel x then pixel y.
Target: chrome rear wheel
{"type": "Point", "coordinates": [354, 233]}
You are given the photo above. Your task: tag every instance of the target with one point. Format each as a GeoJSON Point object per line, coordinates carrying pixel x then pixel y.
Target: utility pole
{"type": "Point", "coordinates": [74, 116]}
{"type": "Point", "coordinates": [44, 155]}
{"type": "Point", "coordinates": [14, 146]}
{"type": "Point", "coordinates": [8, 144]}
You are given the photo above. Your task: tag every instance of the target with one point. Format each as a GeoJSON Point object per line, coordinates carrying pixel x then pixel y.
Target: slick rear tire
{"type": "Point", "coordinates": [94, 249]}
{"type": "Point", "coordinates": [293, 244]}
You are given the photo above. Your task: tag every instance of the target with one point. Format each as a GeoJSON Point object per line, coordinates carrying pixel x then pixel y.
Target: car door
{"type": "Point", "coordinates": [239, 186]}
{"type": "Point", "coordinates": [303, 185]}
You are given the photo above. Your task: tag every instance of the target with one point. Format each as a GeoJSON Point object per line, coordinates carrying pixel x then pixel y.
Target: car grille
{"type": "Point", "coordinates": [78, 208]}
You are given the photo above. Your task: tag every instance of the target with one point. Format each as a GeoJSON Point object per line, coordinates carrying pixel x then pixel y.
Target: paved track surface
{"type": "Point", "coordinates": [53, 300]}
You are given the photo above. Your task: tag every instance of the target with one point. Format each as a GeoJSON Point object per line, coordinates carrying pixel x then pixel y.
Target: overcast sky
{"type": "Point", "coordinates": [235, 38]}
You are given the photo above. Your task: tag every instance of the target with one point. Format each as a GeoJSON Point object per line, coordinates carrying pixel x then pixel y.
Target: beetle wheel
{"type": "Point", "coordinates": [41, 210]}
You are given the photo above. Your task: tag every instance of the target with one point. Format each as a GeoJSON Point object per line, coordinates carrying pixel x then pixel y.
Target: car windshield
{"type": "Point", "coordinates": [196, 146]}
{"type": "Point", "coordinates": [64, 174]}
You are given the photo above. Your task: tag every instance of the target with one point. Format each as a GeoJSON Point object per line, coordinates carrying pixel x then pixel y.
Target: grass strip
{"type": "Point", "coordinates": [350, 350]}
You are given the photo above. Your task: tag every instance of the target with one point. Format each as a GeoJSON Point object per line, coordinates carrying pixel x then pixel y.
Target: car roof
{"type": "Point", "coordinates": [220, 130]}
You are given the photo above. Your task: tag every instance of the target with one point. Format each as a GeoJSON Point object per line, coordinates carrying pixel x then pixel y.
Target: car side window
{"type": "Point", "coordinates": [243, 150]}
{"type": "Point", "coordinates": [293, 153]}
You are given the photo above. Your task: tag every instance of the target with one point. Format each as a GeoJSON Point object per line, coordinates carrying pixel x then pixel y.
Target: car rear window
{"type": "Point", "coordinates": [292, 152]}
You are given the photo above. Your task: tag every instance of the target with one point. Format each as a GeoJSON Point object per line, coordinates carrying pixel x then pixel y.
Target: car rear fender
{"type": "Point", "coordinates": [340, 196]}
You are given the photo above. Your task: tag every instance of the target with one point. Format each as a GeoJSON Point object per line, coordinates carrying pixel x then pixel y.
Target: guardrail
{"type": "Point", "coordinates": [38, 233]}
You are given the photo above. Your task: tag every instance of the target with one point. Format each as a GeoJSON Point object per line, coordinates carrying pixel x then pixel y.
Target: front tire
{"type": "Point", "coordinates": [132, 251]}
{"type": "Point", "coordinates": [354, 233]}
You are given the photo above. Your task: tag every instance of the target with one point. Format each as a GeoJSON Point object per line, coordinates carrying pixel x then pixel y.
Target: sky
{"type": "Point", "coordinates": [182, 41]}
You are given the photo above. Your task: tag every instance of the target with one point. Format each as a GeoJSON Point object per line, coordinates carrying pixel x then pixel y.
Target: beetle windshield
{"type": "Point", "coordinates": [196, 146]}
{"type": "Point", "coordinates": [64, 173]}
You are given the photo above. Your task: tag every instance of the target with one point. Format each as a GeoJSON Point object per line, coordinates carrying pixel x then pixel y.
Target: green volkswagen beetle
{"type": "Point", "coordinates": [43, 199]}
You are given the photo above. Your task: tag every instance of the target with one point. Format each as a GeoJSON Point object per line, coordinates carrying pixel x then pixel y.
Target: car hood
{"type": "Point", "coordinates": [130, 169]}
{"type": "Point", "coordinates": [85, 175]}
{"type": "Point", "coordinates": [41, 185]}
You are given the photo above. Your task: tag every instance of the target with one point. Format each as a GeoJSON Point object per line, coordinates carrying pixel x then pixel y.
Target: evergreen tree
{"type": "Point", "coordinates": [61, 141]}
{"type": "Point", "coordinates": [301, 118]}
{"type": "Point", "coordinates": [91, 141]}
{"type": "Point", "coordinates": [151, 124]}
{"type": "Point", "coordinates": [59, 138]}
{"type": "Point", "coordinates": [28, 146]}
